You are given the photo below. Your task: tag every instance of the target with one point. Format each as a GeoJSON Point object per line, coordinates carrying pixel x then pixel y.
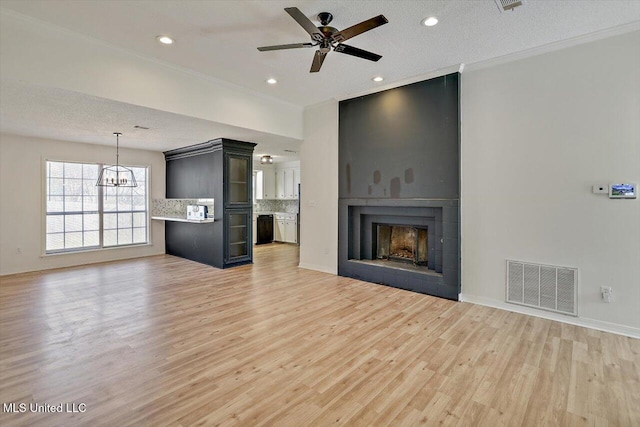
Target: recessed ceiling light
{"type": "Point", "coordinates": [430, 21]}
{"type": "Point", "coordinates": [165, 39]}
{"type": "Point", "coordinates": [272, 81]}
{"type": "Point", "coordinates": [377, 79]}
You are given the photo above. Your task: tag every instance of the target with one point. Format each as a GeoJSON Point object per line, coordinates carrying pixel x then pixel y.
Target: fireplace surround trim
{"type": "Point", "coordinates": [445, 225]}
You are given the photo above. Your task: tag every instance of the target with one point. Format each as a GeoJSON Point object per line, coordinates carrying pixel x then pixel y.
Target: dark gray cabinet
{"type": "Point", "coordinates": [219, 169]}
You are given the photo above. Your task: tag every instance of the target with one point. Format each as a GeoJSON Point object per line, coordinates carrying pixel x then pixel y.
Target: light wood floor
{"type": "Point", "coordinates": [165, 341]}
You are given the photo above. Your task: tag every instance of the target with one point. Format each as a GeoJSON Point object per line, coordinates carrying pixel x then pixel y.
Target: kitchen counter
{"type": "Point", "coordinates": [273, 213]}
{"type": "Point", "coordinates": [182, 219]}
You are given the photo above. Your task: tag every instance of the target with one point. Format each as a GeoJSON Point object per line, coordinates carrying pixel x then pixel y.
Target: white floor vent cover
{"type": "Point", "coordinates": [547, 287]}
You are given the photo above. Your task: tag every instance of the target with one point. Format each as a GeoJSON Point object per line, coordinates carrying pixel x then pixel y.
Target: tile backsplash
{"type": "Point", "coordinates": [288, 206]}
{"type": "Point", "coordinates": [178, 207]}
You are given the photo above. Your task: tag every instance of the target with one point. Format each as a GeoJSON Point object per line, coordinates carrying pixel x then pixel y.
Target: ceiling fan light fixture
{"type": "Point", "coordinates": [378, 79]}
{"type": "Point", "coordinates": [272, 81]}
{"type": "Point", "coordinates": [266, 160]}
{"type": "Point", "coordinates": [164, 39]}
{"type": "Point", "coordinates": [430, 21]}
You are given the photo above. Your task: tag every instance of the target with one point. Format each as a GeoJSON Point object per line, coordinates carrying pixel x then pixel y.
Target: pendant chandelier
{"type": "Point", "coordinates": [116, 176]}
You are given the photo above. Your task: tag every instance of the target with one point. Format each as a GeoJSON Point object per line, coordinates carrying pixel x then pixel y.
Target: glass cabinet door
{"type": "Point", "coordinates": [238, 179]}
{"type": "Point", "coordinates": [238, 225]}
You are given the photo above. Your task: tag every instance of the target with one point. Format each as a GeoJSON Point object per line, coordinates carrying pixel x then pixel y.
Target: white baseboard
{"type": "Point", "coordinates": [599, 325]}
{"type": "Point", "coordinates": [322, 268]}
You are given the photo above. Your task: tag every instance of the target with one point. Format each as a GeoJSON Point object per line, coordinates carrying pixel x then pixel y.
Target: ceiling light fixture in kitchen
{"type": "Point", "coordinates": [266, 160]}
{"type": "Point", "coordinates": [165, 39]}
{"type": "Point", "coordinates": [430, 21]}
{"type": "Point", "coordinates": [116, 176]}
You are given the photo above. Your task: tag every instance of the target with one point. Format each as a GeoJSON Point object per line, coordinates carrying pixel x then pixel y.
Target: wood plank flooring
{"type": "Point", "coordinates": [165, 341]}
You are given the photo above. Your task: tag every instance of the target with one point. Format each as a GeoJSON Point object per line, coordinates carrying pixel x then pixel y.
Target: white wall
{"type": "Point", "coordinates": [282, 165]}
{"type": "Point", "coordinates": [22, 209]}
{"type": "Point", "coordinates": [537, 133]}
{"type": "Point", "coordinates": [319, 188]}
{"type": "Point", "coordinates": [43, 54]}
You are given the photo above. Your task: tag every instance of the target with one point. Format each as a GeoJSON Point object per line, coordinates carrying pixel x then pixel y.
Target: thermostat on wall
{"type": "Point", "coordinates": [622, 191]}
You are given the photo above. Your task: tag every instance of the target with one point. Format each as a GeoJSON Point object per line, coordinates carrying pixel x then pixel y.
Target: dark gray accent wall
{"type": "Point", "coordinates": [401, 143]}
{"type": "Point", "coordinates": [399, 157]}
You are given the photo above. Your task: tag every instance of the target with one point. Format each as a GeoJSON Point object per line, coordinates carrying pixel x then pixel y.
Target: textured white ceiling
{"type": "Point", "coordinates": [219, 38]}
{"type": "Point", "coordinates": [53, 113]}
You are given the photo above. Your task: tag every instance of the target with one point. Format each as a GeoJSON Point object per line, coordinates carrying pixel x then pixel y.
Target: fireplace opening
{"type": "Point", "coordinates": [402, 243]}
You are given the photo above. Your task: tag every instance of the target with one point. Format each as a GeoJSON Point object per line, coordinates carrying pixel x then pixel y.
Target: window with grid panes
{"type": "Point", "coordinates": [80, 215]}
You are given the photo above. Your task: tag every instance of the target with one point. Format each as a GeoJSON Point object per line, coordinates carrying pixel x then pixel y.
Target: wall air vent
{"type": "Point", "coordinates": [506, 5]}
{"type": "Point", "coordinates": [547, 287]}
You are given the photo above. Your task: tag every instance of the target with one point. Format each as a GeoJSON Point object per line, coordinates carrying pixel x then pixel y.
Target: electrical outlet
{"type": "Point", "coordinates": [18, 251]}
{"type": "Point", "coordinates": [607, 293]}
{"type": "Point", "coordinates": [600, 189]}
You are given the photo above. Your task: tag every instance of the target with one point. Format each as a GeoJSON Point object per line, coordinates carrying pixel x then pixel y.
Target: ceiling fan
{"type": "Point", "coordinates": [327, 38]}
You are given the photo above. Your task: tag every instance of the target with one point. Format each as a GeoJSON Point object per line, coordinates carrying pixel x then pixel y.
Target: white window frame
{"type": "Point", "coordinates": [101, 212]}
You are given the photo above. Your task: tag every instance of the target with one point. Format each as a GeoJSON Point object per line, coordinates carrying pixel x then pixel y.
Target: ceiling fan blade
{"type": "Point", "coordinates": [354, 51]}
{"type": "Point", "coordinates": [360, 28]}
{"type": "Point", "coordinates": [305, 23]}
{"type": "Point", "coordinates": [318, 59]}
{"type": "Point", "coordinates": [285, 46]}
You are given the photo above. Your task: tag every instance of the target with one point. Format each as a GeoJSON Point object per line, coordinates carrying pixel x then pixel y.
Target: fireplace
{"type": "Point", "coordinates": [402, 243]}
{"type": "Point", "coordinates": [399, 187]}
{"type": "Point", "coordinates": [409, 244]}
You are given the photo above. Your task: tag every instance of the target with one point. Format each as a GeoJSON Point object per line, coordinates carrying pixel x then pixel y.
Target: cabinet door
{"type": "Point", "coordinates": [238, 180]}
{"type": "Point", "coordinates": [296, 183]}
{"type": "Point", "coordinates": [278, 230]}
{"type": "Point", "coordinates": [288, 236]}
{"type": "Point", "coordinates": [258, 185]}
{"type": "Point", "coordinates": [288, 183]}
{"type": "Point", "coordinates": [280, 188]}
{"type": "Point", "coordinates": [237, 236]}
{"type": "Point", "coordinates": [268, 184]}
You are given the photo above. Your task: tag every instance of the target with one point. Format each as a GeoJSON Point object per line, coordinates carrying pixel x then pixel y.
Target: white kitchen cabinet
{"type": "Point", "coordinates": [286, 228]}
{"type": "Point", "coordinates": [268, 184]}
{"type": "Point", "coordinates": [290, 232]}
{"type": "Point", "coordinates": [278, 230]}
{"type": "Point", "coordinates": [280, 187]}
{"type": "Point", "coordinates": [287, 181]}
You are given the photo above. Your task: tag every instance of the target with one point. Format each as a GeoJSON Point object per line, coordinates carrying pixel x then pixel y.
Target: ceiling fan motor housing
{"type": "Point", "coordinates": [328, 31]}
